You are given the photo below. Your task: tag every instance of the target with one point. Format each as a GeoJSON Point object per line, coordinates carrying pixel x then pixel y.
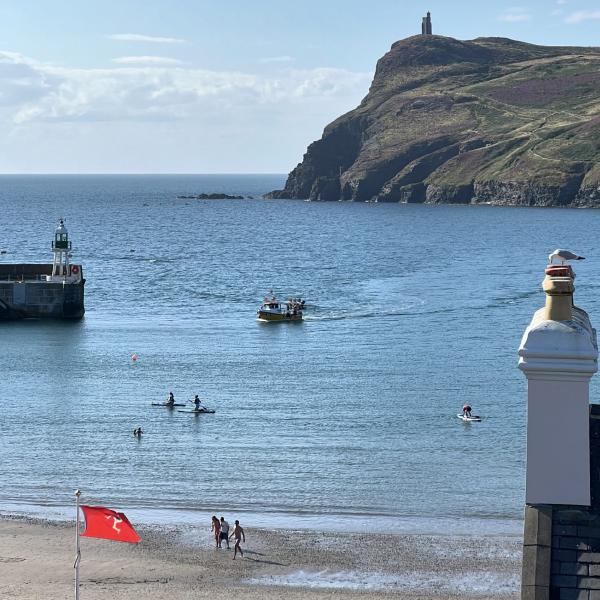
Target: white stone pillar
{"type": "Point", "coordinates": [559, 355]}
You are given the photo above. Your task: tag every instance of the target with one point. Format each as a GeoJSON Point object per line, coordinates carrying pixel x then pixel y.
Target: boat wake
{"type": "Point", "coordinates": [358, 315]}
{"type": "Point", "coordinates": [409, 307]}
{"type": "Point", "coordinates": [416, 306]}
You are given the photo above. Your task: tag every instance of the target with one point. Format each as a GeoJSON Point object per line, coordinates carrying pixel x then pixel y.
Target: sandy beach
{"type": "Point", "coordinates": [36, 562]}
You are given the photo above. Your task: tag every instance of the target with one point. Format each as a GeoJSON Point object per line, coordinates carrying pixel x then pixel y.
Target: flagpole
{"type": "Point", "coordinates": [77, 552]}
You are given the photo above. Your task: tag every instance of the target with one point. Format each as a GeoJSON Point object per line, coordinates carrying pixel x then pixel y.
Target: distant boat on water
{"type": "Point", "coordinates": [274, 311]}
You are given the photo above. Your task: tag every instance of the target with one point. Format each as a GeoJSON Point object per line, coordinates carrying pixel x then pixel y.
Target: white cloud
{"type": "Point", "coordinates": [276, 59]}
{"type": "Point", "coordinates": [136, 37]}
{"type": "Point", "coordinates": [515, 14]}
{"type": "Point", "coordinates": [21, 81]}
{"type": "Point", "coordinates": [582, 15]}
{"type": "Point", "coordinates": [515, 17]}
{"type": "Point", "coordinates": [322, 82]}
{"type": "Point", "coordinates": [150, 118]}
{"type": "Point", "coordinates": [35, 91]}
{"type": "Point", "coordinates": [558, 12]}
{"type": "Point", "coordinates": [161, 61]}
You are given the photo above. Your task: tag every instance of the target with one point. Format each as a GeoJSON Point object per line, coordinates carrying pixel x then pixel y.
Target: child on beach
{"type": "Point", "coordinates": [215, 527]}
{"type": "Point", "coordinates": [238, 533]}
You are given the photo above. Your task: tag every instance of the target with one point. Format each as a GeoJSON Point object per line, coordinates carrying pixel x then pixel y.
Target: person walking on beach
{"type": "Point", "coordinates": [215, 527]}
{"type": "Point", "coordinates": [238, 533]}
{"type": "Point", "coordinates": [224, 532]}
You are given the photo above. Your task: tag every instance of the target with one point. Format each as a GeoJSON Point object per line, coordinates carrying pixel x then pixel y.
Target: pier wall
{"type": "Point", "coordinates": [25, 293]}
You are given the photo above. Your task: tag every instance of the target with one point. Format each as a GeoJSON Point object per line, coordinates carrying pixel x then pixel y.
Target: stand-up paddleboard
{"type": "Point", "coordinates": [471, 419]}
{"type": "Point", "coordinates": [163, 404]}
{"type": "Point", "coordinates": [200, 411]}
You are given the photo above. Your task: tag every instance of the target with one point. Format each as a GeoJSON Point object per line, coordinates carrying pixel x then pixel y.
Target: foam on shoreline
{"type": "Point", "coordinates": [348, 523]}
{"type": "Point", "coordinates": [475, 584]}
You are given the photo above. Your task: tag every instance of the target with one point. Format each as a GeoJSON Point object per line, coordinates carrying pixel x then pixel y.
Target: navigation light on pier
{"type": "Point", "coordinates": [61, 246]}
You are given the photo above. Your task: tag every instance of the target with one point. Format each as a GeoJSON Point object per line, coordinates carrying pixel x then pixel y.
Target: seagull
{"type": "Point", "coordinates": [564, 256]}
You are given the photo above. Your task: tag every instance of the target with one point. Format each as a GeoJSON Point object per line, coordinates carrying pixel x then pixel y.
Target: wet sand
{"type": "Point", "coordinates": [36, 561]}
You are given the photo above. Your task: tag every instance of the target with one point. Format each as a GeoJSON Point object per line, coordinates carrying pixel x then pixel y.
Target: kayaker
{"type": "Point", "coordinates": [197, 402]}
{"type": "Point", "coordinates": [467, 410]}
{"type": "Point", "coordinates": [170, 400]}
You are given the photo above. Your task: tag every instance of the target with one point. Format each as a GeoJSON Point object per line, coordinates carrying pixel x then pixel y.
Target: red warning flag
{"type": "Point", "coordinates": [108, 524]}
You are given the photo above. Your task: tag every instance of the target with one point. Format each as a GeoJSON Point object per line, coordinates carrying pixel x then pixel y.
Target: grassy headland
{"type": "Point", "coordinates": [489, 120]}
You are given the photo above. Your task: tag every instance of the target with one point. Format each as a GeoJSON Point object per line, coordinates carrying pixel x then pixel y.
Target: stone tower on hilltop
{"type": "Point", "coordinates": [426, 25]}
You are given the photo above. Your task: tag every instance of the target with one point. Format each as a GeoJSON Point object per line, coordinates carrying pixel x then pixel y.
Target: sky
{"type": "Point", "coordinates": [221, 86]}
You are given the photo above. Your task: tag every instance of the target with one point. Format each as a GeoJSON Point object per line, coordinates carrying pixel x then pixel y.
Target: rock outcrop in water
{"type": "Point", "coordinates": [490, 120]}
{"type": "Point", "coordinates": [214, 196]}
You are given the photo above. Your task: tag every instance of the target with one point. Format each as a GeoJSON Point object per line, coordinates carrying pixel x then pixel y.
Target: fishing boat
{"type": "Point", "coordinates": [274, 311]}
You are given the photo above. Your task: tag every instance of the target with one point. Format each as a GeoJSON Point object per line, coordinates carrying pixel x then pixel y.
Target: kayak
{"type": "Point", "coordinates": [209, 411]}
{"type": "Point", "coordinates": [472, 418]}
{"type": "Point", "coordinates": [166, 405]}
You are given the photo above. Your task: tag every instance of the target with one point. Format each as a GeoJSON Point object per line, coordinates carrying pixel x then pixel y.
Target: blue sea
{"type": "Point", "coordinates": [341, 421]}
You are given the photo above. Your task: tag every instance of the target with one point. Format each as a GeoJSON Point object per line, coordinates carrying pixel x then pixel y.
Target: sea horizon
{"type": "Point", "coordinates": [153, 174]}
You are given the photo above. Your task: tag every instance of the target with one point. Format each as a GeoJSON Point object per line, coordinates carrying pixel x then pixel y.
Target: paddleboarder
{"type": "Point", "coordinates": [467, 410]}
{"type": "Point", "coordinates": [196, 402]}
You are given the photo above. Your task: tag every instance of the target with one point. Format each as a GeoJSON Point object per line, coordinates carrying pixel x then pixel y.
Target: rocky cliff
{"type": "Point", "coordinates": [490, 120]}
